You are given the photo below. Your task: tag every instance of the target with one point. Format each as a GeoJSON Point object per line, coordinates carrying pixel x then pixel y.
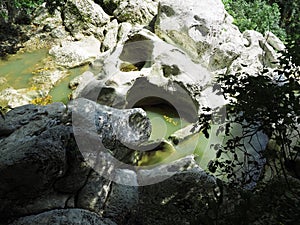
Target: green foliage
{"type": "Point", "coordinates": [267, 103]}
{"type": "Point", "coordinates": [28, 5]}
{"type": "Point", "coordinates": [3, 15]}
{"type": "Point", "coordinates": [290, 14]}
{"type": "Point", "coordinates": [279, 16]}
{"type": "Point", "coordinates": [255, 15]}
{"type": "Point", "coordinates": [9, 9]}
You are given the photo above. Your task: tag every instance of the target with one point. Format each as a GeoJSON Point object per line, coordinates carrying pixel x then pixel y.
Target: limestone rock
{"type": "Point", "coordinates": [14, 98]}
{"type": "Point", "coordinates": [94, 193]}
{"type": "Point", "coordinates": [43, 168]}
{"type": "Point", "coordinates": [84, 17]}
{"type": "Point", "coordinates": [46, 80]}
{"type": "Point", "coordinates": [121, 201]}
{"type": "Point", "coordinates": [257, 54]}
{"type": "Point", "coordinates": [81, 156]}
{"type": "Point", "coordinates": [113, 200]}
{"type": "Point", "coordinates": [209, 36]}
{"type": "Point", "coordinates": [100, 128]}
{"type": "Point", "coordinates": [72, 54]}
{"type": "Point", "coordinates": [48, 22]}
{"type": "Point", "coordinates": [132, 11]}
{"type": "Point", "coordinates": [180, 199]}
{"type": "Point", "coordinates": [46, 29]}
{"type": "Point", "coordinates": [124, 30]}
{"type": "Point", "coordinates": [85, 77]}
{"type": "Point", "coordinates": [274, 41]}
{"type": "Point", "coordinates": [144, 62]}
{"type": "Point", "coordinates": [110, 39]}
{"type": "Point", "coordinates": [193, 27]}
{"type": "Point", "coordinates": [44, 18]}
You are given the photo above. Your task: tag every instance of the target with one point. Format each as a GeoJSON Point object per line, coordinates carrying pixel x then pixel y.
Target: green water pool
{"type": "Point", "coordinates": [164, 121]}
{"type": "Point", "coordinates": [18, 69]}
{"type": "Point", "coordinates": [61, 91]}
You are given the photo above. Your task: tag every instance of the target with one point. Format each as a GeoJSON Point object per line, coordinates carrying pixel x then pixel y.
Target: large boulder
{"type": "Point", "coordinates": [84, 17]}
{"type": "Point", "coordinates": [71, 54]}
{"type": "Point", "coordinates": [209, 35]}
{"type": "Point", "coordinates": [43, 168]}
{"type": "Point", "coordinates": [144, 62]}
{"type": "Point", "coordinates": [132, 11]}
{"type": "Point", "coordinates": [110, 199]}
{"type": "Point", "coordinates": [33, 157]}
{"type": "Point", "coordinates": [195, 28]}
{"type": "Point", "coordinates": [51, 23]}
{"type": "Point", "coordinates": [100, 128]}
{"type": "Point", "coordinates": [143, 71]}
{"type": "Point", "coordinates": [180, 199]}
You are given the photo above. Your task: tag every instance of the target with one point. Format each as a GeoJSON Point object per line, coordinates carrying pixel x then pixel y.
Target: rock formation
{"type": "Point", "coordinates": [58, 162]}
{"type": "Point", "coordinates": [42, 167]}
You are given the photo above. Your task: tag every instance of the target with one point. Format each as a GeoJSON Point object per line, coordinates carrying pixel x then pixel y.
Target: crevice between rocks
{"type": "Point", "coordinates": [76, 196]}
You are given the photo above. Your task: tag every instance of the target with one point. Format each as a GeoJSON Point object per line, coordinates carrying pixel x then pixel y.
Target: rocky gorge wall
{"type": "Point", "coordinates": [76, 30]}
{"type": "Point", "coordinates": [55, 160]}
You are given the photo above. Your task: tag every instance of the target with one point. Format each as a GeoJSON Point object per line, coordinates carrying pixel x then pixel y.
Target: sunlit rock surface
{"type": "Point", "coordinates": [72, 54]}
{"type": "Point", "coordinates": [210, 37]}
{"type": "Point", "coordinates": [144, 62]}
{"type": "Point", "coordinates": [84, 17]}
{"type": "Point", "coordinates": [132, 11]}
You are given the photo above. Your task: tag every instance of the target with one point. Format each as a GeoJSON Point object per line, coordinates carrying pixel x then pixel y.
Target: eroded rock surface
{"type": "Point", "coordinates": [84, 17]}
{"type": "Point", "coordinates": [71, 54]}
{"type": "Point", "coordinates": [146, 66]}
{"type": "Point", "coordinates": [210, 37]}
{"type": "Point", "coordinates": [43, 168]}
{"type": "Point", "coordinates": [56, 158]}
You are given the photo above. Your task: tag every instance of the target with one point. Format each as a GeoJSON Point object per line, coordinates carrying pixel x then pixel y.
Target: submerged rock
{"type": "Point", "coordinates": [14, 98]}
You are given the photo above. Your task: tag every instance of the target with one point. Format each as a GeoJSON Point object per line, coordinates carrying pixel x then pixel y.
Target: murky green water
{"type": "Point", "coordinates": [164, 121]}
{"type": "Point", "coordinates": [18, 69]}
{"type": "Point", "coordinates": [61, 91]}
